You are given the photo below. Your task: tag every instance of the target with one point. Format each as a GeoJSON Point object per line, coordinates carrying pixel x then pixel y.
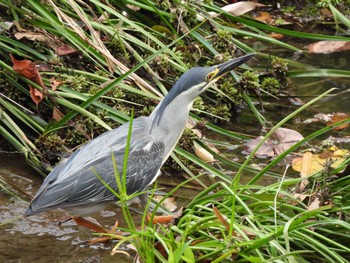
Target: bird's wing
{"type": "Point", "coordinates": [75, 182]}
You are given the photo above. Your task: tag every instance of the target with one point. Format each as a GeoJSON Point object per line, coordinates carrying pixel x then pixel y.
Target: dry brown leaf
{"type": "Point", "coordinates": [263, 17]}
{"type": "Point", "coordinates": [55, 83]}
{"type": "Point", "coordinates": [165, 219]}
{"type": "Point", "coordinates": [133, 7]}
{"type": "Point", "coordinates": [33, 36]}
{"type": "Point", "coordinates": [338, 116]}
{"type": "Point", "coordinates": [265, 150]}
{"type": "Point", "coordinates": [235, 9]}
{"type": "Point", "coordinates": [221, 218]}
{"type": "Point", "coordinates": [300, 196]}
{"type": "Point", "coordinates": [36, 95]}
{"type": "Point", "coordinates": [57, 114]}
{"type": "Point", "coordinates": [204, 155]}
{"type": "Point", "coordinates": [241, 8]}
{"type": "Point", "coordinates": [328, 46]}
{"type": "Point", "coordinates": [315, 203]}
{"type": "Point", "coordinates": [276, 36]}
{"type": "Point", "coordinates": [27, 69]}
{"type": "Point", "coordinates": [281, 140]}
{"type": "Point", "coordinates": [161, 250]}
{"type": "Point", "coordinates": [64, 50]}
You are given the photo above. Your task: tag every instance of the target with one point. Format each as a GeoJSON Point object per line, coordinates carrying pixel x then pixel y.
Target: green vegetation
{"type": "Point", "coordinates": [102, 60]}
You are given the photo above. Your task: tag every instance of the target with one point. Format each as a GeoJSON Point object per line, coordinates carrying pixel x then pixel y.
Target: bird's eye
{"type": "Point", "coordinates": [212, 75]}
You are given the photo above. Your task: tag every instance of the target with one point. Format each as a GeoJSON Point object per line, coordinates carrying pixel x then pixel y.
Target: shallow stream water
{"type": "Point", "coordinates": [41, 238]}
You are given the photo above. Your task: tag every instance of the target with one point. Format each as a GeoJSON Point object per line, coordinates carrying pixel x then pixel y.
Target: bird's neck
{"type": "Point", "coordinates": [169, 122]}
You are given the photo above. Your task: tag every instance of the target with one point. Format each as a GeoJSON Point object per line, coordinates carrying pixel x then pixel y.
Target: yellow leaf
{"type": "Point", "coordinates": [306, 165]}
{"type": "Point", "coordinates": [319, 162]}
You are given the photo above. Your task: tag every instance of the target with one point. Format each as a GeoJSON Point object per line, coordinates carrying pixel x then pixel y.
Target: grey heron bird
{"type": "Point", "coordinates": [73, 185]}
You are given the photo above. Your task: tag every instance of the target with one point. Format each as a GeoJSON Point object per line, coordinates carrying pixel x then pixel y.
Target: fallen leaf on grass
{"type": "Point", "coordinates": [302, 197]}
{"type": "Point", "coordinates": [319, 162]}
{"type": "Point", "coordinates": [305, 171]}
{"type": "Point", "coordinates": [264, 17]}
{"type": "Point", "coordinates": [203, 154]}
{"type": "Point", "coordinates": [328, 46]}
{"type": "Point", "coordinates": [27, 69]}
{"type": "Point", "coordinates": [165, 219]}
{"type": "Point", "coordinates": [221, 218]}
{"type": "Point", "coordinates": [55, 83]}
{"type": "Point", "coordinates": [316, 202]}
{"type": "Point", "coordinates": [33, 36]}
{"type": "Point", "coordinates": [64, 50]}
{"type": "Point", "coordinates": [281, 140]}
{"type": "Point", "coordinates": [36, 95]}
{"type": "Point", "coordinates": [161, 250]}
{"type": "Point", "coordinates": [276, 35]}
{"type": "Point", "coordinates": [57, 114]}
{"type": "Point", "coordinates": [235, 9]}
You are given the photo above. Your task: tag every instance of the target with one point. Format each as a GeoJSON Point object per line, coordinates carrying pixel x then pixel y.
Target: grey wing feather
{"type": "Point", "coordinates": [75, 182]}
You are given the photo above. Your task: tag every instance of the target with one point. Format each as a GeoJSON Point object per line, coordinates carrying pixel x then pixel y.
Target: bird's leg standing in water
{"type": "Point", "coordinates": [163, 219]}
{"type": "Point", "coordinates": [112, 234]}
{"type": "Point", "coordinates": [81, 221]}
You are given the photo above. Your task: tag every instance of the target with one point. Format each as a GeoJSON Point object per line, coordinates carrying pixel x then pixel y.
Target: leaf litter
{"type": "Point", "coordinates": [281, 140]}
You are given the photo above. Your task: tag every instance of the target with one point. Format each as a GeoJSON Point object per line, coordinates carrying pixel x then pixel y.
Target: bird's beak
{"type": "Point", "coordinates": [227, 66]}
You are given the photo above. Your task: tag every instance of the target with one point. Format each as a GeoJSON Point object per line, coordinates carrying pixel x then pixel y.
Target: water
{"type": "Point", "coordinates": [42, 238]}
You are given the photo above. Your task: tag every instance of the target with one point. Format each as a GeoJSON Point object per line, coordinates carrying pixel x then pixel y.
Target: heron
{"type": "Point", "coordinates": [73, 184]}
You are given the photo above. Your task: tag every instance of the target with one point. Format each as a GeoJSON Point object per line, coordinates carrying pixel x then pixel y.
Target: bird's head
{"type": "Point", "coordinates": [193, 82]}
{"type": "Point", "coordinates": [198, 79]}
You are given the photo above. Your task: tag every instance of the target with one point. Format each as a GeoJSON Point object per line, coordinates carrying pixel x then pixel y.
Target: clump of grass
{"type": "Point", "coordinates": [259, 224]}
{"type": "Point", "coordinates": [233, 222]}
